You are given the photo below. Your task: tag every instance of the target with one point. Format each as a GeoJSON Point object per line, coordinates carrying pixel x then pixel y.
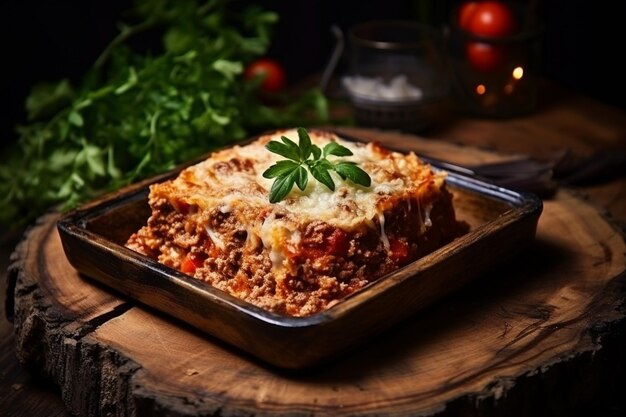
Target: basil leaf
{"type": "Point", "coordinates": [353, 173]}
{"type": "Point", "coordinates": [321, 174]}
{"type": "Point", "coordinates": [317, 152]}
{"type": "Point", "coordinates": [333, 148]}
{"type": "Point", "coordinates": [325, 163]}
{"type": "Point", "coordinates": [283, 149]}
{"type": "Point", "coordinates": [304, 143]}
{"type": "Point", "coordinates": [290, 143]}
{"type": "Point", "coordinates": [282, 186]}
{"type": "Point", "coordinates": [295, 169]}
{"type": "Point", "coordinates": [280, 168]}
{"type": "Point", "coordinates": [301, 177]}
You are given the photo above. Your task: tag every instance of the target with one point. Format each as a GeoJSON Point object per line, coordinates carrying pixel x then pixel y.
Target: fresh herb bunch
{"type": "Point", "coordinates": [306, 156]}
{"type": "Point", "coordinates": [137, 114]}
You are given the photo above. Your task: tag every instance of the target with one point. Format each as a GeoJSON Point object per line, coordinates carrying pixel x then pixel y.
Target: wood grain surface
{"type": "Point", "coordinates": [537, 335]}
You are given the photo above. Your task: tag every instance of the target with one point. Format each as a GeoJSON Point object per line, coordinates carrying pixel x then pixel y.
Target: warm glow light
{"type": "Point", "coordinates": [508, 88]}
{"type": "Point", "coordinates": [480, 89]}
{"type": "Point", "coordinates": [518, 72]}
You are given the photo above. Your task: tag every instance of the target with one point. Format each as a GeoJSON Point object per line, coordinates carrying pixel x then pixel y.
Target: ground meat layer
{"type": "Point", "coordinates": [324, 266]}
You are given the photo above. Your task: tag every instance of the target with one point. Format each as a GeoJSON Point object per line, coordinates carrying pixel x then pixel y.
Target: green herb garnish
{"type": "Point", "coordinates": [140, 111]}
{"type": "Point", "coordinates": [306, 156]}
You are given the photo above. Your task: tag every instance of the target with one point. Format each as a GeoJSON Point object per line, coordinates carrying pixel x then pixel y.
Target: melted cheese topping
{"type": "Point", "coordinates": [235, 175]}
{"type": "Point", "coordinates": [231, 181]}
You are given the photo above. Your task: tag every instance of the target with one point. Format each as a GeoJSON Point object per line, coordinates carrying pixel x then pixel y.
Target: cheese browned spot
{"type": "Point", "coordinates": [303, 254]}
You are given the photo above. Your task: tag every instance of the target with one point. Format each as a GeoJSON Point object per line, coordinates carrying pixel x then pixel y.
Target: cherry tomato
{"type": "Point", "coordinates": [487, 18]}
{"type": "Point", "coordinates": [484, 56]}
{"type": "Point", "coordinates": [271, 71]}
{"type": "Point", "coordinates": [465, 12]}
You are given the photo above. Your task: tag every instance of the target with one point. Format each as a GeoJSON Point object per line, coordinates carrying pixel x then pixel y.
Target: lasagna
{"type": "Point", "coordinates": [301, 255]}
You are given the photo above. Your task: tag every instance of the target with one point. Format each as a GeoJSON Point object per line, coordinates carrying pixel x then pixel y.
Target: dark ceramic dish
{"type": "Point", "coordinates": [502, 222]}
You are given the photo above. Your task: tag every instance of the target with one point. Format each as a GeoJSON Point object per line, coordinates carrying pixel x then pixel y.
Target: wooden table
{"type": "Point", "coordinates": [565, 120]}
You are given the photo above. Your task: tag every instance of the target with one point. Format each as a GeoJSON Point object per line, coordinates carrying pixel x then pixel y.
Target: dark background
{"type": "Point", "coordinates": [54, 39]}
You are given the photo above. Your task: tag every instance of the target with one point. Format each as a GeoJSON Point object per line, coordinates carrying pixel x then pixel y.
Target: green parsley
{"type": "Point", "coordinates": [306, 156]}
{"type": "Point", "coordinates": [141, 109]}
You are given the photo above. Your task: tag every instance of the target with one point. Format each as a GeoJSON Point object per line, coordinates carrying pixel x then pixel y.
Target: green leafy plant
{"type": "Point", "coordinates": [307, 157]}
{"type": "Point", "coordinates": [138, 113]}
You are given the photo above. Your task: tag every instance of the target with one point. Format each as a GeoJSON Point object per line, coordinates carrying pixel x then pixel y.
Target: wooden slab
{"type": "Point", "coordinates": [540, 334]}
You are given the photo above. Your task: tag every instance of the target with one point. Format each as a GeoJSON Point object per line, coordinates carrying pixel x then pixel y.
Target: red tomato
{"type": "Point", "coordinates": [484, 56]}
{"type": "Point", "coordinates": [337, 242]}
{"type": "Point", "coordinates": [270, 70]}
{"type": "Point", "coordinates": [190, 264]}
{"type": "Point", "coordinates": [399, 250]}
{"type": "Point", "coordinates": [466, 10]}
{"type": "Point", "coordinates": [487, 18]}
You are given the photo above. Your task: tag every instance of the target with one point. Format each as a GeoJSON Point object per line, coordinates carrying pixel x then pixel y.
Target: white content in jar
{"type": "Point", "coordinates": [398, 88]}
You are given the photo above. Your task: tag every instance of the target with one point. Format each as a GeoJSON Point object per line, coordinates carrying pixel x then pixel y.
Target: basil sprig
{"type": "Point", "coordinates": [306, 156]}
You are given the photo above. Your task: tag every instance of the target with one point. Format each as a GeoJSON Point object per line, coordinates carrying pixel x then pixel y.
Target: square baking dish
{"type": "Point", "coordinates": [502, 222]}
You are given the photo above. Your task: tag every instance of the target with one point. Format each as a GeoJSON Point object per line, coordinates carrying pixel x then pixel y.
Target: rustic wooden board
{"type": "Point", "coordinates": [538, 334]}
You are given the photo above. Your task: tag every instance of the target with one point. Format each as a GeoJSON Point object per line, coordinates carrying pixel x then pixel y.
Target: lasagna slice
{"type": "Point", "coordinates": [303, 254]}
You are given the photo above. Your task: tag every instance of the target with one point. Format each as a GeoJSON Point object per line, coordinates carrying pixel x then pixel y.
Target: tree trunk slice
{"type": "Point", "coordinates": [539, 335]}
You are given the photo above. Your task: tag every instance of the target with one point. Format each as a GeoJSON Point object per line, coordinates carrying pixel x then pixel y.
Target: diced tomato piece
{"type": "Point", "coordinates": [212, 250]}
{"type": "Point", "coordinates": [338, 242]}
{"type": "Point", "coordinates": [335, 243]}
{"type": "Point", "coordinates": [310, 252]}
{"type": "Point", "coordinates": [190, 264]}
{"type": "Point", "coordinates": [180, 205]}
{"type": "Point", "coordinates": [399, 250]}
